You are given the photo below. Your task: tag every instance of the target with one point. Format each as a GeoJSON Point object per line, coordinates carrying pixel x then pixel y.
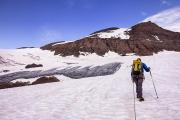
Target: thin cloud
{"type": "Point", "coordinates": [144, 13]}
{"type": "Point", "coordinates": [49, 35]}
{"type": "Point", "coordinates": [165, 2]}
{"type": "Point", "coordinates": [169, 19]}
{"type": "Point", "coordinates": [86, 4]}
{"type": "Point", "coordinates": [70, 3]}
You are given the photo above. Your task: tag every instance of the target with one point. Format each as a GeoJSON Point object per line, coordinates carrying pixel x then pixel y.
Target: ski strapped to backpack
{"type": "Point", "coordinates": [136, 67]}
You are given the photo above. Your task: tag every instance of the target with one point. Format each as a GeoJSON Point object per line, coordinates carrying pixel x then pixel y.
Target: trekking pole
{"type": "Point", "coordinates": [154, 85]}
{"type": "Point", "coordinates": [134, 103]}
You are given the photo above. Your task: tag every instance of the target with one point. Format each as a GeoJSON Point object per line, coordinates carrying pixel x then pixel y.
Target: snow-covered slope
{"type": "Point", "coordinates": [98, 98]}
{"type": "Point", "coordinates": [168, 19]}
{"type": "Point", "coordinates": [16, 59]}
{"type": "Point", "coordinates": [118, 33]}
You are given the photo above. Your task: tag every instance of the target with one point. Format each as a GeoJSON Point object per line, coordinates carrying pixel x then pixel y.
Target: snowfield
{"type": "Point", "coordinates": [119, 33]}
{"type": "Point", "coordinates": [93, 98]}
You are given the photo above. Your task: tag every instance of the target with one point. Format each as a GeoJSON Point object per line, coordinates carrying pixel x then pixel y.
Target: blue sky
{"type": "Point", "coordinates": [38, 22]}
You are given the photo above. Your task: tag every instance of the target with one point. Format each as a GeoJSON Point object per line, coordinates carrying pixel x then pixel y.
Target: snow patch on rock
{"type": "Point", "coordinates": [157, 38]}
{"type": "Point", "coordinates": [63, 42]}
{"type": "Point", "coordinates": [118, 33]}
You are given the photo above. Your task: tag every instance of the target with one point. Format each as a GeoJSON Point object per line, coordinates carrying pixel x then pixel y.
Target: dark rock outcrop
{"type": "Point", "coordinates": [11, 84]}
{"type": "Point", "coordinates": [6, 70]}
{"type": "Point", "coordinates": [33, 65]}
{"type": "Point", "coordinates": [25, 47]}
{"type": "Point", "coordinates": [91, 45]}
{"type": "Point", "coordinates": [45, 80]}
{"type": "Point", "coordinates": [145, 39]}
{"type": "Point", "coordinates": [41, 80]}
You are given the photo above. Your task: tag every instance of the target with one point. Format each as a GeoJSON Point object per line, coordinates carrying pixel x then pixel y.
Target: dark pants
{"type": "Point", "coordinates": [138, 79]}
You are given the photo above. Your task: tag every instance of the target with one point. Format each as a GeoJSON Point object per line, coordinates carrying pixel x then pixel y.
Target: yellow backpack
{"type": "Point", "coordinates": [136, 67]}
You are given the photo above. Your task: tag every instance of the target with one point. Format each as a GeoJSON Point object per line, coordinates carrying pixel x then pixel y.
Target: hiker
{"type": "Point", "coordinates": [137, 74]}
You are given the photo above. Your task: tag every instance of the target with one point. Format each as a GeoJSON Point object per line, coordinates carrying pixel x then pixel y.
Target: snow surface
{"type": "Point", "coordinates": [17, 59]}
{"type": "Point", "coordinates": [97, 98]}
{"type": "Point", "coordinates": [31, 80]}
{"type": "Point", "coordinates": [118, 33]}
{"type": "Point", "coordinates": [63, 42]}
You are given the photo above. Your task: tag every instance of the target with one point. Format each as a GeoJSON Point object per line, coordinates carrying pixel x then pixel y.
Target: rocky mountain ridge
{"type": "Point", "coordinates": [144, 39]}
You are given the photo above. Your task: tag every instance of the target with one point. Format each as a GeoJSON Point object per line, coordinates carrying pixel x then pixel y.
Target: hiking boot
{"type": "Point", "coordinates": [141, 99]}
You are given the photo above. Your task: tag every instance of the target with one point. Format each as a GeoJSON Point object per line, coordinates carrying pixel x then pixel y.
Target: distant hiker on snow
{"type": "Point", "coordinates": [137, 74]}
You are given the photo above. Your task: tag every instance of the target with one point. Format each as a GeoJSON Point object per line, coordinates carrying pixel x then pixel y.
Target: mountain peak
{"type": "Point", "coordinates": [146, 26]}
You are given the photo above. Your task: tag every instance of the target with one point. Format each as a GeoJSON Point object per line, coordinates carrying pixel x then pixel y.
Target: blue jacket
{"type": "Point", "coordinates": [144, 67]}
